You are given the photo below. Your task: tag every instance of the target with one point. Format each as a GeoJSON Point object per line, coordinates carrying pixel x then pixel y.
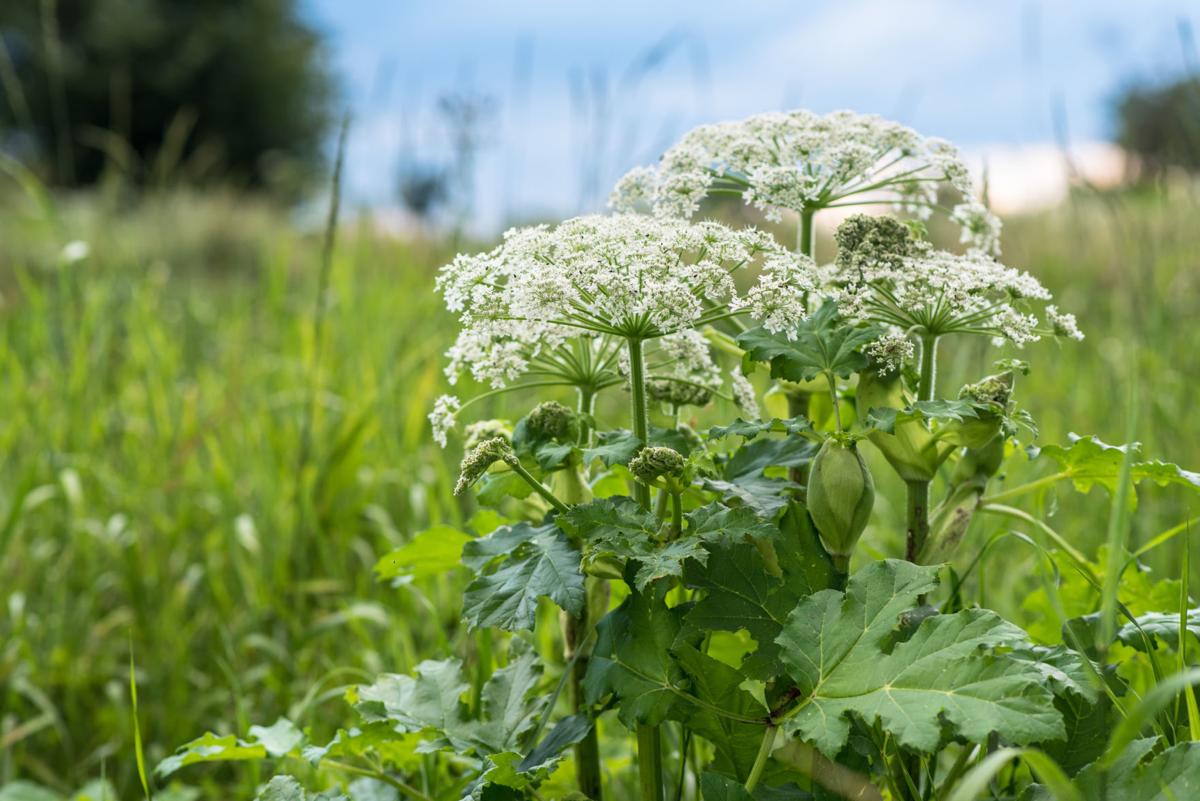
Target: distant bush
{"type": "Point", "coordinates": [162, 89]}
{"type": "Point", "coordinates": [1160, 126]}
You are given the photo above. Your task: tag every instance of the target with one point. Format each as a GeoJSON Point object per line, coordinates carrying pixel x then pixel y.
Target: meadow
{"type": "Point", "coordinates": [203, 455]}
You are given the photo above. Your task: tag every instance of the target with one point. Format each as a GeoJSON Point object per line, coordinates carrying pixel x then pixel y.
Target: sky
{"type": "Point", "coordinates": [571, 95]}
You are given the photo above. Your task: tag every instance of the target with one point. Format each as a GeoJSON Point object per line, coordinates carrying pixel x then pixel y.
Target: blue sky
{"type": "Point", "coordinates": [580, 92]}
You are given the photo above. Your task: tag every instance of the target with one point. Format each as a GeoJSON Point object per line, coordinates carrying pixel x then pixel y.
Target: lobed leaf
{"type": "Point", "coordinates": [841, 650]}
{"type": "Point", "coordinates": [824, 343]}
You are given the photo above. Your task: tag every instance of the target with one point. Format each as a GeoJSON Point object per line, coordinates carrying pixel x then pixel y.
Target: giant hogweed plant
{"type": "Point", "coordinates": [721, 635]}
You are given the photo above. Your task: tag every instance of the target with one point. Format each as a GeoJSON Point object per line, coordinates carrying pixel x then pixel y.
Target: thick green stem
{"type": "Point", "coordinates": [760, 761]}
{"type": "Point", "coordinates": [587, 408]}
{"type": "Point", "coordinates": [928, 368]}
{"type": "Point", "coordinates": [918, 518]}
{"type": "Point", "coordinates": [638, 410]}
{"type": "Point", "coordinates": [676, 512]}
{"type": "Point", "coordinates": [805, 241]}
{"type": "Point", "coordinates": [798, 407]}
{"type": "Point", "coordinates": [587, 751]}
{"type": "Point", "coordinates": [649, 763]}
{"type": "Point", "coordinates": [833, 397]}
{"type": "Point", "coordinates": [918, 491]}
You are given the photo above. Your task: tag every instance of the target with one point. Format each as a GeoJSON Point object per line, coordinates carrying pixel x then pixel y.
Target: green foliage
{"type": "Point", "coordinates": [840, 649]}
{"type": "Point", "coordinates": [823, 344]}
{"type": "Point", "coordinates": [517, 565]}
{"type": "Point", "coordinates": [233, 88]}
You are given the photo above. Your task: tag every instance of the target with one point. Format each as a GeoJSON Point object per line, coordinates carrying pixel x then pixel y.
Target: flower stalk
{"type": "Point", "coordinates": [639, 414]}
{"type": "Point", "coordinates": [917, 500]}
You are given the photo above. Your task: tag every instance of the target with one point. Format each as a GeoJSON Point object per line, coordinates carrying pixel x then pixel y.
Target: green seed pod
{"type": "Point", "coordinates": [911, 449]}
{"type": "Point", "coordinates": [841, 494]}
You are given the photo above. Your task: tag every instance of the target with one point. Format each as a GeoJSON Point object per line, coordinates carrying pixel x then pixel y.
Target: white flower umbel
{"type": "Point", "coordinates": [743, 394]}
{"type": "Point", "coordinates": [626, 275]}
{"type": "Point", "coordinates": [445, 409]}
{"type": "Point", "coordinates": [934, 293]}
{"type": "Point", "coordinates": [803, 162]}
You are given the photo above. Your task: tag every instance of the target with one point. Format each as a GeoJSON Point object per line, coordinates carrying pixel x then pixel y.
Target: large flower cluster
{"type": "Point", "coordinates": [801, 161]}
{"type": "Point", "coordinates": [935, 292]}
{"type": "Point", "coordinates": [624, 275]}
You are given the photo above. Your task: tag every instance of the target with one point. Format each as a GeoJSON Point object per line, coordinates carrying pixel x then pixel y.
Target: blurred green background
{"type": "Point", "coordinates": [202, 456]}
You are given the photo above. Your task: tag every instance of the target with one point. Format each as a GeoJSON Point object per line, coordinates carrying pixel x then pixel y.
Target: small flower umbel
{"type": "Point", "coordinates": [802, 162]}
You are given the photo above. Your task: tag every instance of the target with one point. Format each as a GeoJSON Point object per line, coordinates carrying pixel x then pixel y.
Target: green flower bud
{"type": "Point", "coordinates": [677, 393]}
{"type": "Point", "coordinates": [841, 494]}
{"type": "Point", "coordinates": [481, 457]}
{"type": "Point", "coordinates": [552, 420]}
{"type": "Point", "coordinates": [654, 462]}
{"type": "Point", "coordinates": [865, 241]}
{"type": "Point", "coordinates": [995, 391]}
{"type": "Point", "coordinates": [482, 430]}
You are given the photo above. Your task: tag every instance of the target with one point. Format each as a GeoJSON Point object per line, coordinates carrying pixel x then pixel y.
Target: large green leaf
{"type": "Point", "coordinates": [744, 479]}
{"type": "Point", "coordinates": [286, 788]}
{"type": "Point", "coordinates": [824, 343]}
{"type": "Point", "coordinates": [280, 738]}
{"type": "Point", "coordinates": [618, 528]}
{"type": "Point", "coordinates": [632, 659]}
{"type": "Point", "coordinates": [431, 699]}
{"type": "Point", "coordinates": [1172, 775]}
{"type": "Point", "coordinates": [841, 650]}
{"type": "Point", "coordinates": [752, 581]}
{"type": "Point", "coordinates": [519, 565]}
{"type": "Point", "coordinates": [430, 702]}
{"type": "Point", "coordinates": [1087, 462]}
{"type": "Point", "coordinates": [722, 711]}
{"type": "Point", "coordinates": [434, 552]}
{"type": "Point", "coordinates": [511, 704]}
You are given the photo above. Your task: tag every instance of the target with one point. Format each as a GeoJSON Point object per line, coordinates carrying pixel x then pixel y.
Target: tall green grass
{"type": "Point", "coordinates": [153, 412]}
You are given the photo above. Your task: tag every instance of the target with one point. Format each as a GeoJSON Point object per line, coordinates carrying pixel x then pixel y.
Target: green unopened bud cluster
{"type": "Point", "coordinates": [865, 241]}
{"type": "Point", "coordinates": [479, 459]}
{"type": "Point", "coordinates": [841, 494]}
{"type": "Point", "coordinates": [995, 391]}
{"type": "Point", "coordinates": [552, 420]}
{"type": "Point", "coordinates": [678, 393]}
{"type": "Point", "coordinates": [654, 463]}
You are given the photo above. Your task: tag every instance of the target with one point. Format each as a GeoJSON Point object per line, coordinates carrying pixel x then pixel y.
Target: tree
{"type": "Point", "coordinates": [1160, 126]}
{"type": "Point", "coordinates": [158, 88]}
